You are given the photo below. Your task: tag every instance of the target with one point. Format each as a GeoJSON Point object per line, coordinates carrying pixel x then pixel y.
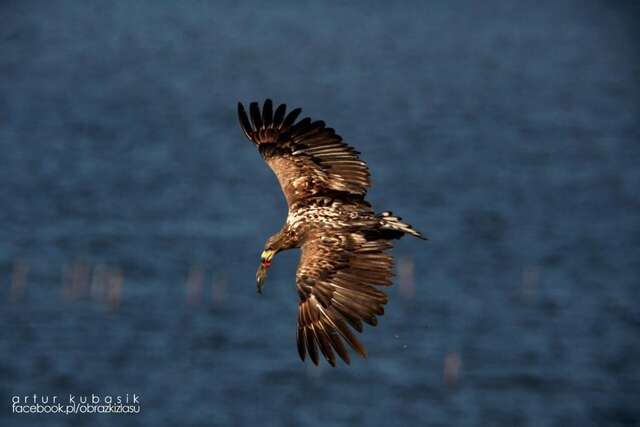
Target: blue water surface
{"type": "Point", "coordinates": [133, 211]}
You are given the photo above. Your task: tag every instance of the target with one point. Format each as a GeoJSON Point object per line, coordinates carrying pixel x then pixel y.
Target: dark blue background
{"type": "Point", "coordinates": [133, 211]}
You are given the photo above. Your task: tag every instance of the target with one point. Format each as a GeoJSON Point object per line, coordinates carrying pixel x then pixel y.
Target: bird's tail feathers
{"type": "Point", "coordinates": [394, 223]}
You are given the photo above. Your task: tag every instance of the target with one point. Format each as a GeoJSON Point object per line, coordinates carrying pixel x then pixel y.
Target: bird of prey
{"type": "Point", "coordinates": [344, 262]}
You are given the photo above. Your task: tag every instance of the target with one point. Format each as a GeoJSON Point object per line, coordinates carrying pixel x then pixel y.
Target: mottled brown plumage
{"type": "Point", "coordinates": [344, 243]}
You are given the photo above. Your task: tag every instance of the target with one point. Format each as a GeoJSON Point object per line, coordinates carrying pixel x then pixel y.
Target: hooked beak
{"type": "Point", "coordinates": [265, 263]}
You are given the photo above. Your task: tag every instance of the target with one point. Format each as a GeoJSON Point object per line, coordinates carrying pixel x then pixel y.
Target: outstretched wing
{"type": "Point", "coordinates": [308, 158]}
{"type": "Point", "coordinates": [336, 280]}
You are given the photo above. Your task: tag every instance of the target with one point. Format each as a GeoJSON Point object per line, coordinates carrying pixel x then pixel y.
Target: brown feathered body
{"type": "Point", "coordinates": [344, 262]}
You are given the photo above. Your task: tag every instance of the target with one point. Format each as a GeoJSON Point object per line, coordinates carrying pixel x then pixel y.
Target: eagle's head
{"type": "Point", "coordinates": [282, 240]}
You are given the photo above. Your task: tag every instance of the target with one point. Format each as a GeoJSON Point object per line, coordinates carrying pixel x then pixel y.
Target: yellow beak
{"type": "Point", "coordinates": [267, 255]}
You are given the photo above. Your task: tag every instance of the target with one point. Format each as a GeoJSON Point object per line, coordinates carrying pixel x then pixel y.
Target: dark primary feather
{"type": "Point", "coordinates": [279, 115]}
{"type": "Point", "coordinates": [255, 115]}
{"type": "Point", "coordinates": [244, 121]}
{"type": "Point", "coordinates": [267, 114]}
{"type": "Point", "coordinates": [291, 117]}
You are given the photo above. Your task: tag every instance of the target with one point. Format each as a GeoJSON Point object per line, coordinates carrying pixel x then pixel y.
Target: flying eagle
{"type": "Point", "coordinates": [344, 242]}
